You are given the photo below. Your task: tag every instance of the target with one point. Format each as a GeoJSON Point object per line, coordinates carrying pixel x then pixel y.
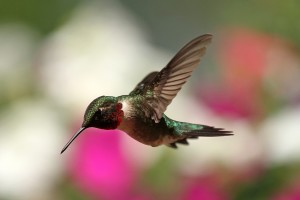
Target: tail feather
{"type": "Point", "coordinates": [189, 132]}
{"type": "Point", "coordinates": [208, 131]}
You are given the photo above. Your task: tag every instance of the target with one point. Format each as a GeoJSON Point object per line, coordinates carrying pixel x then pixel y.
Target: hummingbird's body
{"type": "Point", "coordinates": [144, 129]}
{"type": "Point", "coordinates": [141, 113]}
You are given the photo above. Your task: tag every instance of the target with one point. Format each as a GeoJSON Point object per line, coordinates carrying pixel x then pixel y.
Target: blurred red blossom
{"type": "Point", "coordinates": [249, 63]}
{"type": "Point", "coordinates": [99, 167]}
{"type": "Point", "coordinates": [205, 188]}
{"type": "Point", "coordinates": [292, 193]}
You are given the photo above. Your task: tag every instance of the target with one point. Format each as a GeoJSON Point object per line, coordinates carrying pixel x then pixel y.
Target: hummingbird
{"type": "Point", "coordinates": [141, 113]}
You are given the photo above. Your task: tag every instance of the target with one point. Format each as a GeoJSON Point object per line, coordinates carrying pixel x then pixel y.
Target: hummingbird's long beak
{"type": "Point", "coordinates": [72, 139]}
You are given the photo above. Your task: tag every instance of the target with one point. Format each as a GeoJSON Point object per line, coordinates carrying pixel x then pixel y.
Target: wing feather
{"type": "Point", "coordinates": [160, 88]}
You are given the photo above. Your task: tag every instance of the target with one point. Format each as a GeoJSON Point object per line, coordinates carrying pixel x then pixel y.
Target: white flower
{"type": "Point", "coordinates": [282, 136]}
{"type": "Point", "coordinates": [98, 52]}
{"type": "Point", "coordinates": [30, 137]}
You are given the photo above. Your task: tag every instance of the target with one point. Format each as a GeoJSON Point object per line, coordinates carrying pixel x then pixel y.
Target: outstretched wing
{"type": "Point", "coordinates": [159, 88]}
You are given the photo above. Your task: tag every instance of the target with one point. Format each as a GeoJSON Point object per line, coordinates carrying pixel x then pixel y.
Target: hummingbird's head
{"type": "Point", "coordinates": [104, 112]}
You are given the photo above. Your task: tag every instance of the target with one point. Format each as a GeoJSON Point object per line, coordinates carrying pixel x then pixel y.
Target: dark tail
{"type": "Point", "coordinates": [193, 131]}
{"type": "Point", "coordinates": [207, 131]}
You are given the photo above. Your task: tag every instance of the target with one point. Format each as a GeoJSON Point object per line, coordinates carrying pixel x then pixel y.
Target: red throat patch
{"type": "Point", "coordinates": [112, 116]}
{"type": "Point", "coordinates": [119, 113]}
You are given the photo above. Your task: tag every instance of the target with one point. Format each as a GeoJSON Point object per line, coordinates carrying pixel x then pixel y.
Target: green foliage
{"type": "Point", "coordinates": [161, 177]}
{"type": "Point", "coordinates": [44, 16]}
{"type": "Point", "coordinates": [267, 184]}
{"type": "Point", "coordinates": [71, 192]}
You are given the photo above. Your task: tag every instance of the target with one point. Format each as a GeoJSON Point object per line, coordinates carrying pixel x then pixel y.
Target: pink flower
{"type": "Point", "coordinates": [292, 193]}
{"type": "Point", "coordinates": [246, 59]}
{"type": "Point", "coordinates": [230, 102]}
{"type": "Point", "coordinates": [243, 55]}
{"type": "Point", "coordinates": [98, 165]}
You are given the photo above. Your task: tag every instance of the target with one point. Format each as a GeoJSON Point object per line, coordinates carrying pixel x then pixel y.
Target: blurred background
{"type": "Point", "coordinates": [57, 56]}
